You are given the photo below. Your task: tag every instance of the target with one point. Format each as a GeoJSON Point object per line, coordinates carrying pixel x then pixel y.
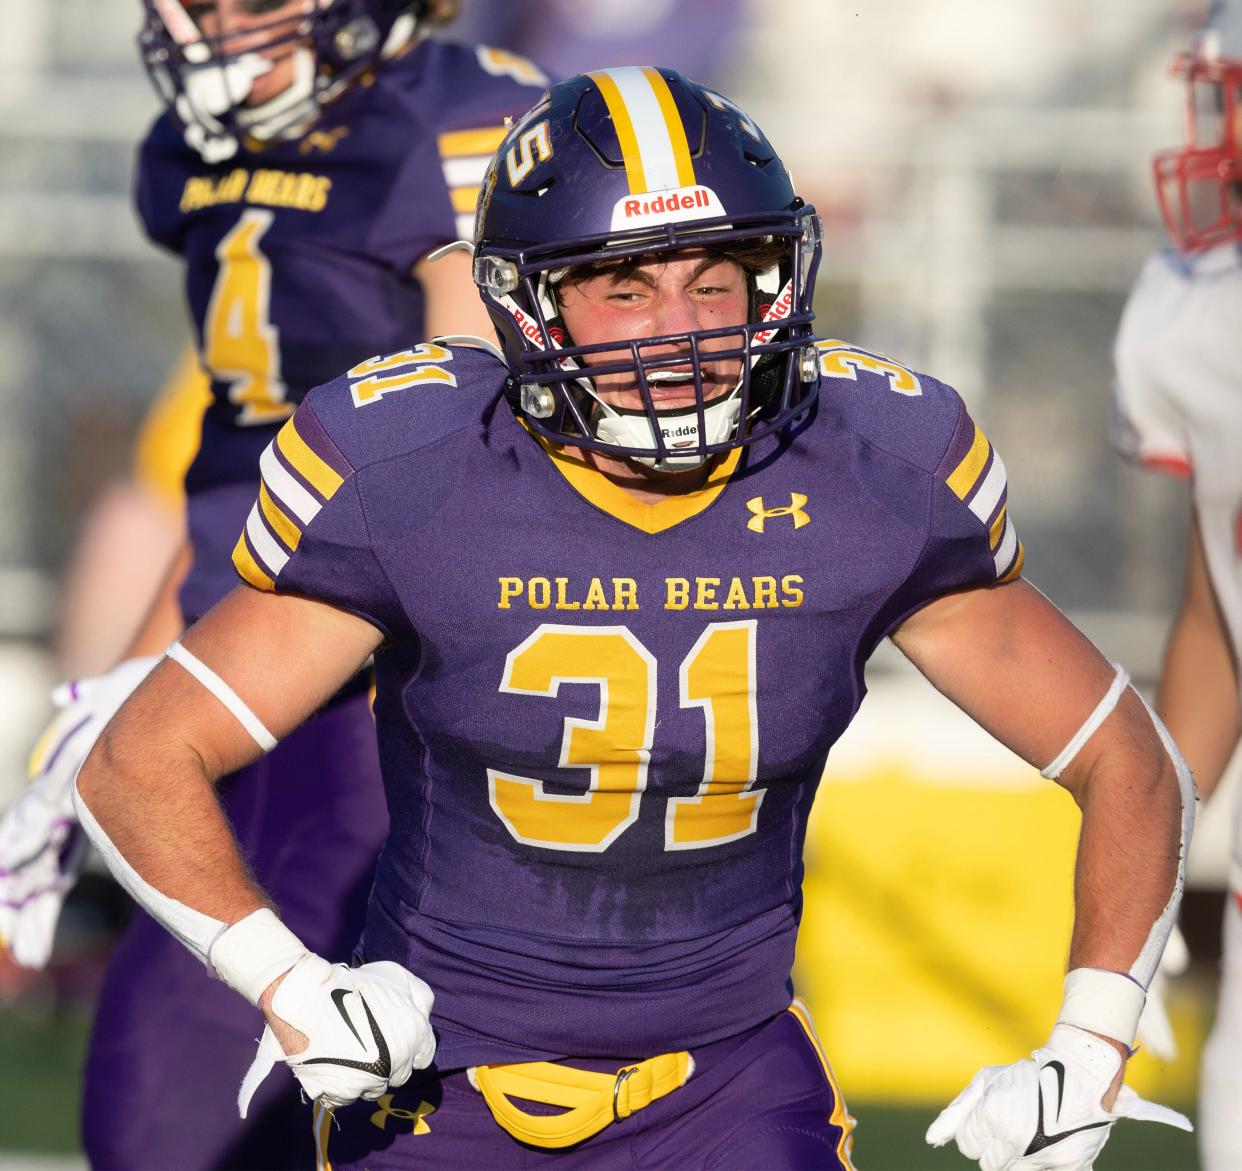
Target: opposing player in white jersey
{"type": "Point", "coordinates": [1178, 406]}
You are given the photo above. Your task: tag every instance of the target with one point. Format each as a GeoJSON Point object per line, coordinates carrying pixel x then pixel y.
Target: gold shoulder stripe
{"type": "Point", "coordinates": [249, 569]}
{"type": "Point", "coordinates": [306, 462]}
{"type": "Point", "coordinates": [458, 144]}
{"type": "Point", "coordinates": [1016, 567]}
{"type": "Point", "coordinates": [282, 525]}
{"type": "Point", "coordinates": [967, 472]}
{"type": "Point", "coordinates": [998, 528]}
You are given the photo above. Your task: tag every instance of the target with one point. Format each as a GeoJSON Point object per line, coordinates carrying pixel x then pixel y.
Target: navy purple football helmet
{"type": "Point", "coordinates": [639, 163]}
{"type": "Point", "coordinates": [205, 80]}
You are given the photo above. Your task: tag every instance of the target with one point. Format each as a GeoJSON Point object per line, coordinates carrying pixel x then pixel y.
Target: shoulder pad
{"type": "Point", "coordinates": [393, 404]}
{"type": "Point", "coordinates": [908, 414]}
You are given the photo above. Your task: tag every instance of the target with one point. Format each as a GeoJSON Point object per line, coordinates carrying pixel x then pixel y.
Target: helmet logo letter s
{"type": "Point", "coordinates": [520, 157]}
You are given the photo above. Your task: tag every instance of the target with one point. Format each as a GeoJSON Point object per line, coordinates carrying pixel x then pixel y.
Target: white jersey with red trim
{"type": "Point", "coordinates": [1177, 407]}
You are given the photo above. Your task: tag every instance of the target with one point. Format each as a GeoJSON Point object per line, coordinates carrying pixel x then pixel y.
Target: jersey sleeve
{"type": "Point", "coordinates": [971, 539]}
{"type": "Point", "coordinates": [433, 199]}
{"type": "Point", "coordinates": [1147, 425]}
{"type": "Point", "coordinates": [307, 532]}
{"type": "Point", "coordinates": [158, 175]}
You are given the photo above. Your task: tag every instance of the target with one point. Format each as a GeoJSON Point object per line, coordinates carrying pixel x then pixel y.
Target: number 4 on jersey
{"type": "Point", "coordinates": [241, 346]}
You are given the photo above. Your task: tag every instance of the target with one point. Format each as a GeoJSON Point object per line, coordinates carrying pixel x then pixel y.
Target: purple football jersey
{"type": "Point", "coordinates": [298, 255]}
{"type": "Point", "coordinates": [602, 722]}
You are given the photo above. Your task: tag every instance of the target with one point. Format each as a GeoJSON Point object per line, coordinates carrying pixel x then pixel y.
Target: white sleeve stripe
{"type": "Point", "coordinates": [194, 929]}
{"type": "Point", "coordinates": [225, 694]}
{"type": "Point", "coordinates": [1144, 967]}
{"type": "Point", "coordinates": [465, 225]}
{"type": "Point", "coordinates": [989, 494]}
{"type": "Point", "coordinates": [1003, 558]}
{"type": "Point", "coordinates": [265, 546]}
{"type": "Point", "coordinates": [285, 490]}
{"type": "Point", "coordinates": [1102, 711]}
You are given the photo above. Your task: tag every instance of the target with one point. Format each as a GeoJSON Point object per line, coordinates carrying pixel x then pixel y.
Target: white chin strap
{"type": "Point", "coordinates": [214, 89]}
{"type": "Point", "coordinates": [678, 429]}
{"type": "Point", "coordinates": [289, 108]}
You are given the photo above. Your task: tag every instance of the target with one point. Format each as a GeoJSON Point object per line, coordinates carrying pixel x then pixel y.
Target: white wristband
{"type": "Point", "coordinates": [1102, 1002]}
{"type": "Point", "coordinates": [251, 953]}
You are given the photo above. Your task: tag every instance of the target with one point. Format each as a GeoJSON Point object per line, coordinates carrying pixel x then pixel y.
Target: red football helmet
{"type": "Point", "coordinates": [1198, 184]}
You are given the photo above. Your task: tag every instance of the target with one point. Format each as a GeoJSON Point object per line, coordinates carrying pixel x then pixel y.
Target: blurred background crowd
{"type": "Point", "coordinates": [983, 171]}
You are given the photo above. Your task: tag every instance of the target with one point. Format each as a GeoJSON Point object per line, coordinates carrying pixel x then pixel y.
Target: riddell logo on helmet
{"type": "Point", "coordinates": [528, 327]}
{"type": "Point", "coordinates": [662, 207]}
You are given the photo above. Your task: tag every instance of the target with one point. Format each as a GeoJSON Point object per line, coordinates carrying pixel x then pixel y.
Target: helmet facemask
{"type": "Point", "coordinates": [207, 80]}
{"type": "Point", "coordinates": [1197, 185]}
{"type": "Point", "coordinates": [556, 384]}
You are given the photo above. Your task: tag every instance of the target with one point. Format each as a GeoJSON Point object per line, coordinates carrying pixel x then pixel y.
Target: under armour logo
{"type": "Point", "coordinates": [322, 140]}
{"type": "Point", "coordinates": [417, 1117]}
{"type": "Point", "coordinates": [794, 508]}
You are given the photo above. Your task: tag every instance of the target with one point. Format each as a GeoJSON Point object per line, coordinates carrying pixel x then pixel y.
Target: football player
{"type": "Point", "coordinates": [620, 578]}
{"type": "Point", "coordinates": [1178, 408]}
{"type": "Point", "coordinates": [313, 157]}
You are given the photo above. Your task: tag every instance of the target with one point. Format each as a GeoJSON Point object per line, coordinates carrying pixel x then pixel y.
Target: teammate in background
{"type": "Point", "coordinates": [1178, 408]}
{"type": "Point", "coordinates": [620, 579]}
{"type": "Point", "coordinates": [314, 154]}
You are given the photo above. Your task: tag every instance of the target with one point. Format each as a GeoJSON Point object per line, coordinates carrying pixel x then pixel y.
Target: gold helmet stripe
{"type": "Point", "coordinates": [649, 128]}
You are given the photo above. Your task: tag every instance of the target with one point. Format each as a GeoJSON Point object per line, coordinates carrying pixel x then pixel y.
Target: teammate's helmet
{"type": "Point", "coordinates": [1197, 183]}
{"type": "Point", "coordinates": [204, 80]}
{"type": "Point", "coordinates": [640, 162]}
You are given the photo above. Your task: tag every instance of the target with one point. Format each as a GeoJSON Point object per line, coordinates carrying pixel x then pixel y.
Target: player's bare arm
{"type": "Point", "coordinates": [453, 305]}
{"type": "Point", "coordinates": [253, 669]}
{"type": "Point", "coordinates": [162, 621]}
{"type": "Point", "coordinates": [1198, 694]}
{"type": "Point", "coordinates": [1014, 663]}
{"type": "Point", "coordinates": [149, 781]}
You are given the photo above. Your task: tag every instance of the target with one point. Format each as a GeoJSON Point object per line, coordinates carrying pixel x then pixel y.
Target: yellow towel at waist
{"type": "Point", "coordinates": [591, 1100]}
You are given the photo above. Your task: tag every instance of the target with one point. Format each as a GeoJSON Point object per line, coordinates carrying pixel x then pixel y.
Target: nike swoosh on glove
{"type": "Point", "coordinates": [1044, 1113]}
{"type": "Point", "coordinates": [367, 1027]}
{"type": "Point", "coordinates": [41, 847]}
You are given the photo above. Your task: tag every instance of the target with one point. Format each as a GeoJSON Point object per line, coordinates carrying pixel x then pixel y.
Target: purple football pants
{"type": "Point", "coordinates": [171, 1043]}
{"type": "Point", "coordinates": [762, 1101]}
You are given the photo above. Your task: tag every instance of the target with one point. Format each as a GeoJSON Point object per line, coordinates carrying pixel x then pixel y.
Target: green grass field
{"type": "Point", "coordinates": [42, 1057]}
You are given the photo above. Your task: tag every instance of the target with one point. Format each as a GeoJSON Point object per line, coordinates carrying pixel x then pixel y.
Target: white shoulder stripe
{"type": "Point", "coordinates": [225, 694]}
{"type": "Point", "coordinates": [989, 494]}
{"type": "Point", "coordinates": [268, 550]}
{"type": "Point", "coordinates": [286, 491]}
{"type": "Point", "coordinates": [1007, 549]}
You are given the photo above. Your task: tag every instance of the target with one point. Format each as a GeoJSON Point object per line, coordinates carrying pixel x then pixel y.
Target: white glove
{"type": "Point", "coordinates": [367, 1028]}
{"type": "Point", "coordinates": [1155, 1030]}
{"type": "Point", "coordinates": [1044, 1113]}
{"type": "Point", "coordinates": [41, 847]}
